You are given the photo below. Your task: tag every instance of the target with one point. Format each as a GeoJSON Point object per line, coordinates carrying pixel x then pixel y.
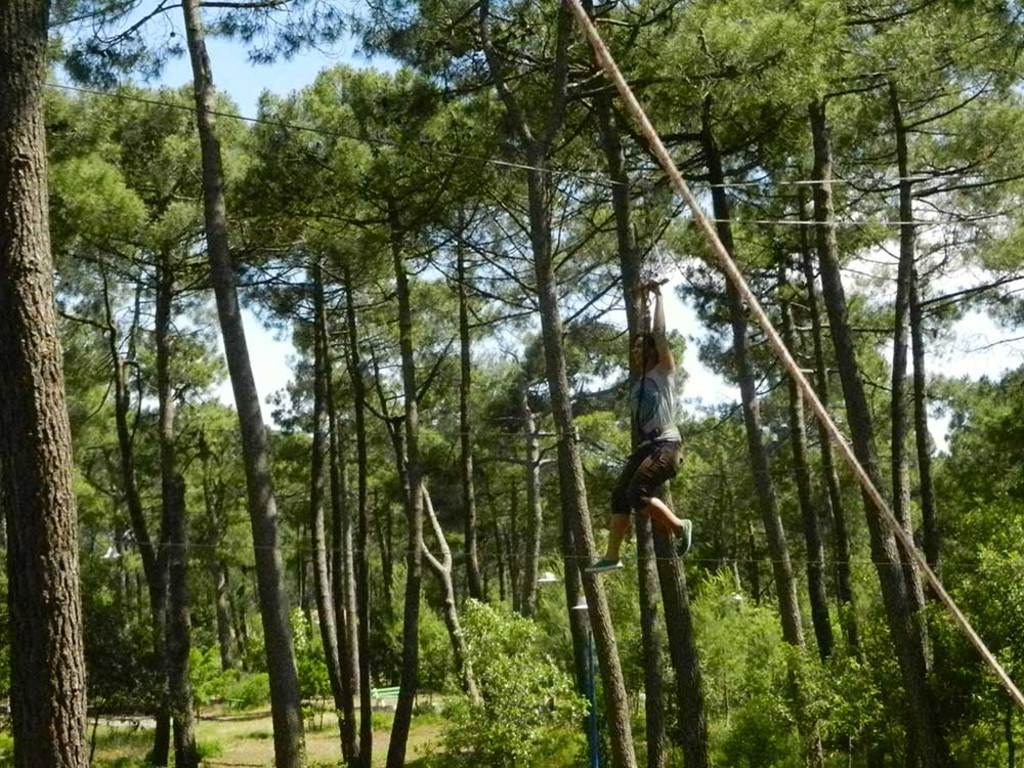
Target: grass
{"type": "Point", "coordinates": [247, 738]}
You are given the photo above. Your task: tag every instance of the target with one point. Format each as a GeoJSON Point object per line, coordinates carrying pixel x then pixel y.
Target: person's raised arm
{"type": "Point", "coordinates": [665, 359]}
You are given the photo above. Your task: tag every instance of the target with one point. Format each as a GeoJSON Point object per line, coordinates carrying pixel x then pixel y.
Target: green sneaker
{"type": "Point", "coordinates": [604, 565]}
{"type": "Point", "coordinates": [685, 538]}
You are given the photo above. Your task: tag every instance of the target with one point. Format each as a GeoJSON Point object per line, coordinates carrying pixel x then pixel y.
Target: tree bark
{"type": "Point", "coordinates": [570, 466]}
{"type": "Point", "coordinates": [683, 652]}
{"type": "Point", "coordinates": [225, 632]}
{"type": "Point", "coordinates": [504, 539]}
{"type": "Point", "coordinates": [629, 266]}
{"type": "Point", "coordinates": [573, 592]}
{"type": "Point", "coordinates": [289, 746]}
{"type": "Point", "coordinates": [503, 568]}
{"type": "Point", "coordinates": [36, 493]}
{"type": "Point", "coordinates": [834, 498]}
{"type": "Point", "coordinates": [898, 402]}
{"type": "Point", "coordinates": [343, 571]}
{"type": "Point", "coordinates": [923, 717]}
{"type": "Point", "coordinates": [411, 480]}
{"type": "Point", "coordinates": [782, 570]}
{"type": "Point", "coordinates": [317, 529]}
{"type": "Point", "coordinates": [226, 637]}
{"type": "Point", "coordinates": [238, 601]}
{"type": "Point", "coordinates": [175, 532]}
{"type": "Point", "coordinates": [778, 548]}
{"type": "Point", "coordinates": [808, 511]}
{"type": "Point", "coordinates": [929, 514]}
{"type": "Point", "coordinates": [362, 566]}
{"type": "Point", "coordinates": [535, 513]}
{"type": "Point", "coordinates": [473, 580]}
{"type": "Point", "coordinates": [154, 562]}
{"type": "Point", "coordinates": [443, 570]}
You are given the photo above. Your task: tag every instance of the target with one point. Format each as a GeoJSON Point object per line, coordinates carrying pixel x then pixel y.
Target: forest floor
{"type": "Point", "coordinates": [245, 739]}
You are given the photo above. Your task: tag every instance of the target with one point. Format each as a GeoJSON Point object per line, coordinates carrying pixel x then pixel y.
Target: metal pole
{"type": "Point", "coordinates": [595, 752]}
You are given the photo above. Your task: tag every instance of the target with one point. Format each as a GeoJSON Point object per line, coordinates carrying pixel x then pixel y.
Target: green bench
{"type": "Point", "coordinates": [378, 696]}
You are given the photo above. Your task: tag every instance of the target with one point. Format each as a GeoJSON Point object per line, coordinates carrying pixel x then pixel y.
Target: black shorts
{"type": "Point", "coordinates": [648, 467]}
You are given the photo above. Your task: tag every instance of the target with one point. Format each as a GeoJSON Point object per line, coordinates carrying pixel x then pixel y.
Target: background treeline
{"type": "Point", "coordinates": [453, 248]}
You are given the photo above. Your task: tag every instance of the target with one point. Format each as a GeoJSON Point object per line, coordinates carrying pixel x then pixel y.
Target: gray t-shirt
{"type": "Point", "coordinates": [652, 403]}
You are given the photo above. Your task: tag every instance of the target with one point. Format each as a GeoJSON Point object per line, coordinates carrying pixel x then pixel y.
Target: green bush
{"type": "Point", "coordinates": [208, 680]}
{"type": "Point", "coordinates": [756, 739]}
{"type": "Point", "coordinates": [314, 682]}
{"type": "Point", "coordinates": [529, 712]}
{"type": "Point", "coordinates": [437, 667]}
{"type": "Point", "coordinates": [248, 691]}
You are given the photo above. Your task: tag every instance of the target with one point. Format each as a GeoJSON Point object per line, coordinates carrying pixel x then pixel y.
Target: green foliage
{"type": "Point", "coordinates": [235, 688]}
{"type": "Point", "coordinates": [529, 709]}
{"type": "Point", "coordinates": [120, 660]}
{"type": "Point", "coordinates": [208, 680]}
{"type": "Point", "coordinates": [314, 682]}
{"type": "Point", "coordinates": [437, 663]}
{"type": "Point", "coordinates": [248, 691]}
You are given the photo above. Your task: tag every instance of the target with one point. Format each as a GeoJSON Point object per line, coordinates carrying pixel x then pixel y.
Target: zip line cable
{"type": "Point", "coordinates": [732, 272]}
{"type": "Point", "coordinates": [596, 177]}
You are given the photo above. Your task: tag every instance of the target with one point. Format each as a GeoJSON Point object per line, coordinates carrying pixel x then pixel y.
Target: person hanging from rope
{"type": "Point", "coordinates": [657, 455]}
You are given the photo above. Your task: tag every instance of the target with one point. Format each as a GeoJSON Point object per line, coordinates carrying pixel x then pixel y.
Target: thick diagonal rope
{"type": "Point", "coordinates": [732, 272]}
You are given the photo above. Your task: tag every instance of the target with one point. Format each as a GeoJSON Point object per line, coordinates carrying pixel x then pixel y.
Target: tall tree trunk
{"type": "Point", "coordinates": [476, 589]}
{"type": "Point", "coordinates": [629, 266]}
{"type": "Point", "coordinates": [503, 567]}
{"type": "Point", "coordinates": [226, 638]}
{"type": "Point", "coordinates": [317, 529]}
{"type": "Point", "coordinates": [782, 570]}
{"type": "Point", "coordinates": [443, 570]}
{"type": "Point", "coordinates": [179, 629]}
{"type": "Point", "coordinates": [343, 555]}
{"type": "Point", "coordinates": [534, 512]}
{"type": "Point", "coordinates": [344, 587]}
{"type": "Point", "coordinates": [571, 481]}
{"type": "Point", "coordinates": [411, 480]}
{"type": "Point", "coordinates": [36, 495]}
{"type": "Point", "coordinates": [654, 698]}
{"type": "Point", "coordinates": [570, 466]}
{"type": "Point", "coordinates": [382, 528]}
{"type": "Point", "coordinates": [683, 652]}
{"type": "Point", "coordinates": [753, 563]}
{"type": "Point", "coordinates": [573, 592]}
{"type": "Point", "coordinates": [225, 632]}
{"type": "Point", "coordinates": [343, 576]}
{"type": "Point", "coordinates": [237, 599]}
{"type": "Point", "coordinates": [834, 497]}
{"type": "Point", "coordinates": [175, 531]}
{"type": "Point", "coordinates": [802, 473]}
{"type": "Point", "coordinates": [929, 515]}
{"type": "Point", "coordinates": [511, 534]}
{"type": "Point", "coordinates": [923, 717]}
{"type": "Point", "coordinates": [289, 745]}
{"type": "Point", "coordinates": [362, 545]}
{"type": "Point", "coordinates": [154, 563]}
{"type": "Point", "coordinates": [898, 403]}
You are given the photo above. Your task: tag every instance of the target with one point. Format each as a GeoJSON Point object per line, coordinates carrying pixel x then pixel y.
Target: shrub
{"type": "Point", "coordinates": [437, 667]}
{"type": "Point", "coordinates": [529, 710]}
{"type": "Point", "coordinates": [314, 682]}
{"type": "Point", "coordinates": [248, 691]}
